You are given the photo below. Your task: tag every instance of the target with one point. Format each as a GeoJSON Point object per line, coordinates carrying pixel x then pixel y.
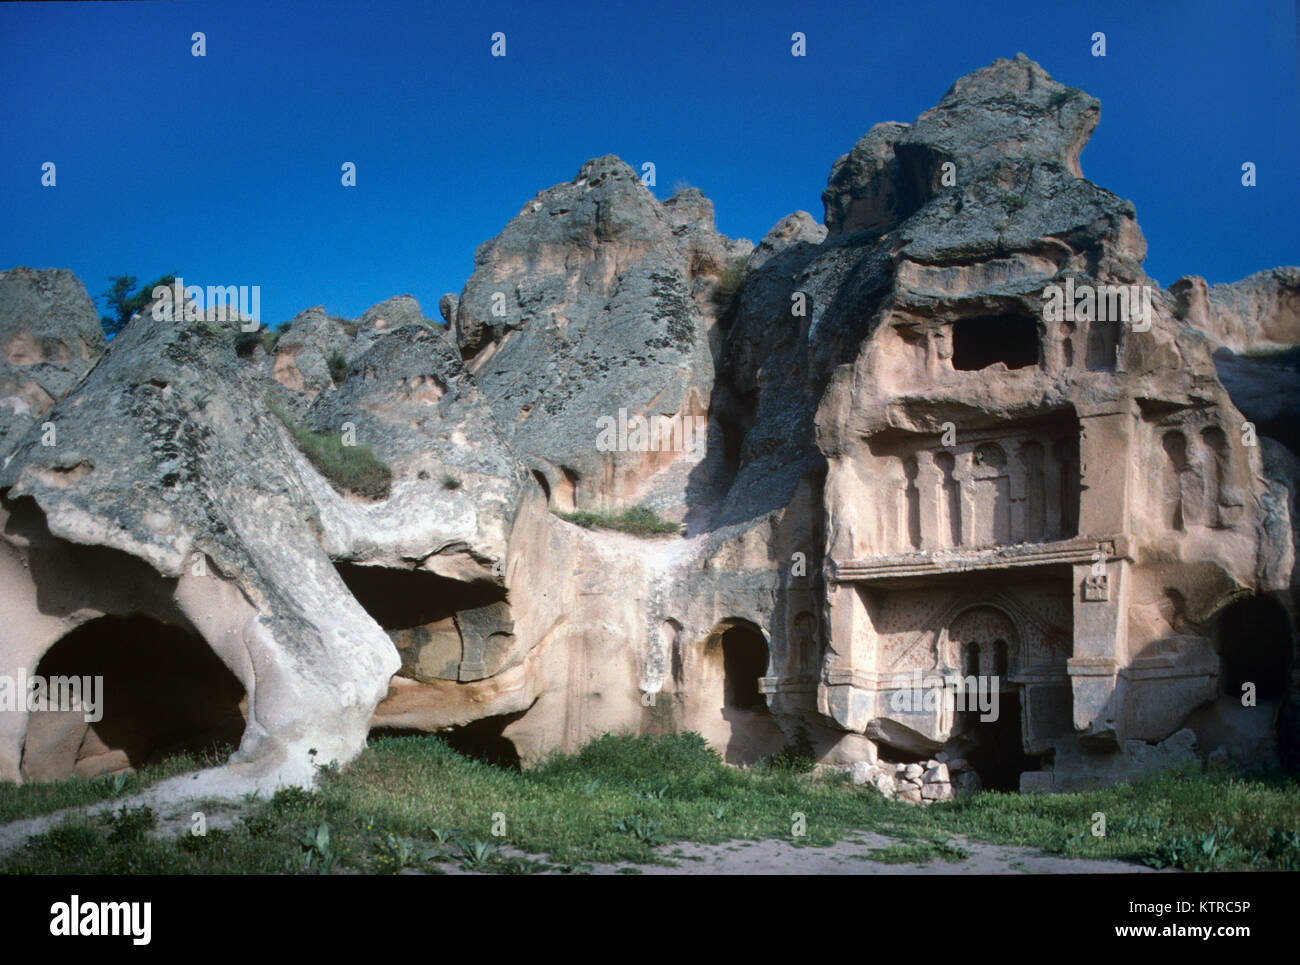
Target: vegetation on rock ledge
{"type": "Point", "coordinates": [638, 520]}
{"type": "Point", "coordinates": [732, 280]}
{"type": "Point", "coordinates": [350, 469]}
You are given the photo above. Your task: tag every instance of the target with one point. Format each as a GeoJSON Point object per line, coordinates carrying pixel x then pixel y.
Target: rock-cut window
{"type": "Point", "coordinates": [978, 343]}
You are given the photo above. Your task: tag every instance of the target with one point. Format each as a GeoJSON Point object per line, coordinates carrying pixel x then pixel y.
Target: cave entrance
{"type": "Point", "coordinates": [726, 702]}
{"type": "Point", "coordinates": [744, 661]}
{"type": "Point", "coordinates": [982, 643]}
{"type": "Point", "coordinates": [978, 343]}
{"type": "Point", "coordinates": [541, 481]}
{"type": "Point", "coordinates": [484, 740]}
{"type": "Point", "coordinates": [481, 740]}
{"type": "Point", "coordinates": [164, 692]}
{"type": "Point", "coordinates": [1255, 646]}
{"type": "Point", "coordinates": [995, 748]}
{"type": "Point", "coordinates": [443, 629]}
{"type": "Point", "coordinates": [399, 599]}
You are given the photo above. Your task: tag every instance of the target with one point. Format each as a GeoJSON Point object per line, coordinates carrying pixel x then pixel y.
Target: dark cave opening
{"type": "Point", "coordinates": [541, 481]}
{"type": "Point", "coordinates": [1255, 646]}
{"type": "Point", "coordinates": [484, 740]}
{"type": "Point", "coordinates": [995, 748]}
{"type": "Point", "coordinates": [404, 599]}
{"type": "Point", "coordinates": [481, 740]}
{"type": "Point", "coordinates": [980, 342]}
{"type": "Point", "coordinates": [744, 661]}
{"type": "Point", "coordinates": [164, 692]}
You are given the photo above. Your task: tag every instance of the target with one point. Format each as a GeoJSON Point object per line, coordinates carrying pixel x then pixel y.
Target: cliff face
{"type": "Point", "coordinates": [595, 299]}
{"type": "Point", "coordinates": [51, 338]}
{"type": "Point", "coordinates": [956, 432]}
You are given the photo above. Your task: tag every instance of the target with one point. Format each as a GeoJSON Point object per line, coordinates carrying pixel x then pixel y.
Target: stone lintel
{"type": "Point", "coordinates": [1071, 551]}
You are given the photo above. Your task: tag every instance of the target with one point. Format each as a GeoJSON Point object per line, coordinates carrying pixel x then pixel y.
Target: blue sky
{"type": "Point", "coordinates": [227, 167]}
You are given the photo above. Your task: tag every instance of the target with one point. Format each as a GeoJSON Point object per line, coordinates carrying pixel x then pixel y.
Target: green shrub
{"type": "Point", "coordinates": [338, 366]}
{"type": "Point", "coordinates": [450, 482]}
{"type": "Point", "coordinates": [350, 469]}
{"type": "Point", "coordinates": [246, 342]}
{"type": "Point", "coordinates": [1012, 202]}
{"type": "Point", "coordinates": [129, 824]}
{"type": "Point", "coordinates": [638, 520]}
{"type": "Point", "coordinates": [732, 280]}
{"type": "Point", "coordinates": [124, 301]}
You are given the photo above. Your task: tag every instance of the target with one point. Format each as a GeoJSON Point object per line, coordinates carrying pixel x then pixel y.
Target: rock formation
{"type": "Point", "coordinates": [52, 338]}
{"type": "Point", "coordinates": [953, 443]}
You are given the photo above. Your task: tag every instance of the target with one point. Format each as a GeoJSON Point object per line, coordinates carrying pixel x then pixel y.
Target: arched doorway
{"type": "Point", "coordinates": [982, 642]}
{"type": "Point", "coordinates": [744, 661]}
{"type": "Point", "coordinates": [1255, 647]}
{"type": "Point", "coordinates": [724, 698]}
{"type": "Point", "coordinates": [163, 692]}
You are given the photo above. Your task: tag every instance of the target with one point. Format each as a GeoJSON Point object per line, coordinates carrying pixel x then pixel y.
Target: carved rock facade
{"type": "Point", "coordinates": [954, 444]}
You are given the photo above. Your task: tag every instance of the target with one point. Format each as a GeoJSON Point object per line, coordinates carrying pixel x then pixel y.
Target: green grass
{"type": "Point", "coordinates": [637, 520]}
{"type": "Point", "coordinates": [1238, 823]}
{"type": "Point", "coordinates": [412, 802]}
{"type": "Point", "coordinates": [917, 852]}
{"type": "Point", "coordinates": [350, 469]}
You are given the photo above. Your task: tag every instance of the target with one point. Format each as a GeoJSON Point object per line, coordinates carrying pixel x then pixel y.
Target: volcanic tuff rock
{"type": "Point", "coordinates": [1256, 313]}
{"type": "Point", "coordinates": [167, 454]}
{"type": "Point", "coordinates": [303, 352]}
{"type": "Point", "coordinates": [1251, 324]}
{"type": "Point", "coordinates": [911, 468]}
{"type": "Point", "coordinates": [594, 299]}
{"type": "Point", "coordinates": [456, 482]}
{"type": "Point", "coordinates": [50, 336]}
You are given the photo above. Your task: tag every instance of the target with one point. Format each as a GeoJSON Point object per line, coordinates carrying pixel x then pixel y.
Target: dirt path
{"type": "Point", "coordinates": [174, 810]}
{"type": "Point", "coordinates": [858, 854]}
{"type": "Point", "coordinates": [854, 857]}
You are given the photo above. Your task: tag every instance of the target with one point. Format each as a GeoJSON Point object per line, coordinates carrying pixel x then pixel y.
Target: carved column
{"type": "Point", "coordinates": [962, 474]}
{"type": "Point", "coordinates": [1017, 487]}
{"type": "Point", "coordinates": [1105, 464]}
{"type": "Point", "coordinates": [1051, 494]}
{"type": "Point", "coordinates": [1100, 629]}
{"type": "Point", "coordinates": [929, 480]}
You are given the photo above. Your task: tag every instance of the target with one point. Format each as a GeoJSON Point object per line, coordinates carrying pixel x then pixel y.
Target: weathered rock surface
{"type": "Point", "coordinates": [455, 482]}
{"type": "Point", "coordinates": [303, 352]}
{"type": "Point", "coordinates": [165, 455]}
{"type": "Point", "coordinates": [1255, 314]}
{"type": "Point", "coordinates": [914, 477]}
{"type": "Point", "coordinates": [593, 303]}
{"type": "Point", "coordinates": [51, 338]}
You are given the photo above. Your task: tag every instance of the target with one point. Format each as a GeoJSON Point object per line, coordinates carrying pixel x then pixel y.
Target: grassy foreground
{"type": "Point", "coordinates": [412, 802]}
{"type": "Point", "coordinates": [19, 801]}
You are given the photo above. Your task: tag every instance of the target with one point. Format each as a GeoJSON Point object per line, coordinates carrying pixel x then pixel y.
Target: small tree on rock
{"type": "Point", "coordinates": [124, 301]}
